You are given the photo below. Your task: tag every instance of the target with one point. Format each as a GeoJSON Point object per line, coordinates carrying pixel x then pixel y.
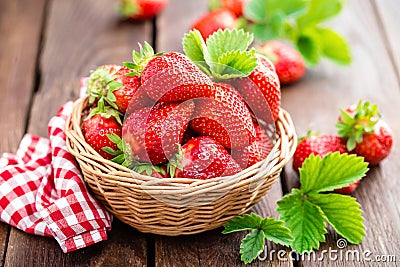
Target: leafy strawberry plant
{"type": "Point", "coordinates": [306, 210]}
{"type": "Point", "coordinates": [299, 21]}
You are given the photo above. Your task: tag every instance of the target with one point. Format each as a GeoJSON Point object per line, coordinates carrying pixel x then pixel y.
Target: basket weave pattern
{"type": "Point", "coordinates": [176, 206]}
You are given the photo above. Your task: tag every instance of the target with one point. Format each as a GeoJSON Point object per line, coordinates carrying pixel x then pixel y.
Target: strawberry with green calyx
{"type": "Point", "coordinates": [140, 59]}
{"type": "Point", "coordinates": [141, 9]}
{"type": "Point", "coordinates": [366, 134]}
{"type": "Point", "coordinates": [122, 155]}
{"type": "Point", "coordinates": [153, 133]}
{"type": "Point", "coordinates": [289, 63]}
{"type": "Point", "coordinates": [321, 145]}
{"type": "Point", "coordinates": [225, 117]}
{"type": "Point", "coordinates": [100, 122]}
{"type": "Point", "coordinates": [173, 77]}
{"type": "Point", "coordinates": [225, 56]}
{"type": "Point", "coordinates": [202, 158]}
{"type": "Point", "coordinates": [112, 85]}
{"type": "Point", "coordinates": [214, 20]}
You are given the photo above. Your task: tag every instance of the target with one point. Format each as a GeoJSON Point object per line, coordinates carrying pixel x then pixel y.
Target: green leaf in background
{"type": "Point", "coordinates": [252, 245]}
{"type": "Point", "coordinates": [319, 11]}
{"type": "Point", "coordinates": [299, 21]}
{"type": "Point", "coordinates": [343, 214]}
{"type": "Point", "coordinates": [275, 231]}
{"type": "Point", "coordinates": [333, 171]}
{"type": "Point", "coordinates": [334, 46]}
{"type": "Point", "coordinates": [309, 45]}
{"type": "Point", "coordinates": [304, 219]}
{"type": "Point", "coordinates": [244, 222]}
{"type": "Point", "coordinates": [256, 10]}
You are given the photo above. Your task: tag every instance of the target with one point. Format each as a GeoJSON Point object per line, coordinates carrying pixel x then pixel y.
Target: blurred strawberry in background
{"type": "Point", "coordinates": [214, 20]}
{"type": "Point", "coordinates": [288, 62]}
{"type": "Point", "coordinates": [141, 9]}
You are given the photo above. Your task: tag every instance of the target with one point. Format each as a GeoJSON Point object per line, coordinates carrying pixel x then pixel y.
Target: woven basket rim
{"type": "Point", "coordinates": [75, 139]}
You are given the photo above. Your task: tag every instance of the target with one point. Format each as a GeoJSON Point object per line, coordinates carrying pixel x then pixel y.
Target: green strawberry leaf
{"type": "Point", "coordinates": [224, 41]}
{"type": "Point", "coordinates": [225, 54]}
{"type": "Point", "coordinates": [234, 64]}
{"type": "Point", "coordinates": [275, 231]}
{"type": "Point", "coordinates": [305, 220]}
{"type": "Point", "coordinates": [309, 45]}
{"type": "Point", "coordinates": [194, 45]}
{"type": "Point", "coordinates": [333, 171]}
{"type": "Point", "coordinates": [256, 11]}
{"type": "Point", "coordinates": [319, 11]}
{"type": "Point", "coordinates": [334, 46]}
{"type": "Point", "coordinates": [245, 222]}
{"type": "Point", "coordinates": [252, 245]}
{"type": "Point", "coordinates": [343, 214]}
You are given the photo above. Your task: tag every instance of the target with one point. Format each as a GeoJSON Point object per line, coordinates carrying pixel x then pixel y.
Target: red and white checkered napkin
{"type": "Point", "coordinates": [42, 192]}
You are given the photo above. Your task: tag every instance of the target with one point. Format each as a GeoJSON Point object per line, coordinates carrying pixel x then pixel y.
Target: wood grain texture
{"type": "Point", "coordinates": [79, 36]}
{"type": "Point", "coordinates": [314, 104]}
{"type": "Point", "coordinates": [212, 248]}
{"type": "Point", "coordinates": [175, 21]}
{"type": "Point", "coordinates": [18, 51]}
{"type": "Point", "coordinates": [388, 12]}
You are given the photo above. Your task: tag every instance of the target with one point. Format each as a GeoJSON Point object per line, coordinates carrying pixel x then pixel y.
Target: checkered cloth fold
{"type": "Point", "coordinates": [42, 192]}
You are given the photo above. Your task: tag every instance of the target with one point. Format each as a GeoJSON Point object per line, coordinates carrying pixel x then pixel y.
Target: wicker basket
{"type": "Point", "coordinates": [176, 206]}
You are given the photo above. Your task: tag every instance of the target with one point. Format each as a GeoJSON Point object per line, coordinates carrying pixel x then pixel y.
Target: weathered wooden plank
{"type": "Point", "coordinates": [388, 12]}
{"type": "Point", "coordinates": [175, 21]}
{"type": "Point", "coordinates": [18, 51]}
{"type": "Point", "coordinates": [314, 104]}
{"type": "Point", "coordinates": [79, 36]}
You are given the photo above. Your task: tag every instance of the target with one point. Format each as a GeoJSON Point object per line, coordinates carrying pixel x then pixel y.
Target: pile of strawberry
{"type": "Point", "coordinates": [360, 131]}
{"type": "Point", "coordinates": [192, 116]}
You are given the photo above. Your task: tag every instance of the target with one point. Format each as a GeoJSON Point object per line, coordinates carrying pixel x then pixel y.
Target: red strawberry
{"type": "Point", "coordinates": [288, 62]}
{"type": "Point", "coordinates": [348, 189]}
{"type": "Point", "coordinates": [95, 129]}
{"type": "Point", "coordinates": [152, 133]}
{"type": "Point", "coordinates": [141, 9]}
{"type": "Point", "coordinates": [204, 158]}
{"type": "Point", "coordinates": [174, 77]}
{"type": "Point", "coordinates": [256, 151]}
{"type": "Point", "coordinates": [236, 6]}
{"type": "Point", "coordinates": [225, 117]}
{"type": "Point", "coordinates": [317, 145]}
{"type": "Point", "coordinates": [261, 89]}
{"type": "Point", "coordinates": [214, 20]}
{"type": "Point", "coordinates": [366, 134]}
{"type": "Point", "coordinates": [110, 84]}
{"type": "Point", "coordinates": [321, 145]}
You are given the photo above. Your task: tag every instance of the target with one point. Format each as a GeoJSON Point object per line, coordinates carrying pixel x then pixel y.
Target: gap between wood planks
{"type": "Point", "coordinates": [386, 40]}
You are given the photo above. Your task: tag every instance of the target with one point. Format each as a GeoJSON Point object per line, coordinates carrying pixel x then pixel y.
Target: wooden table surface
{"type": "Point", "coordinates": [46, 45]}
